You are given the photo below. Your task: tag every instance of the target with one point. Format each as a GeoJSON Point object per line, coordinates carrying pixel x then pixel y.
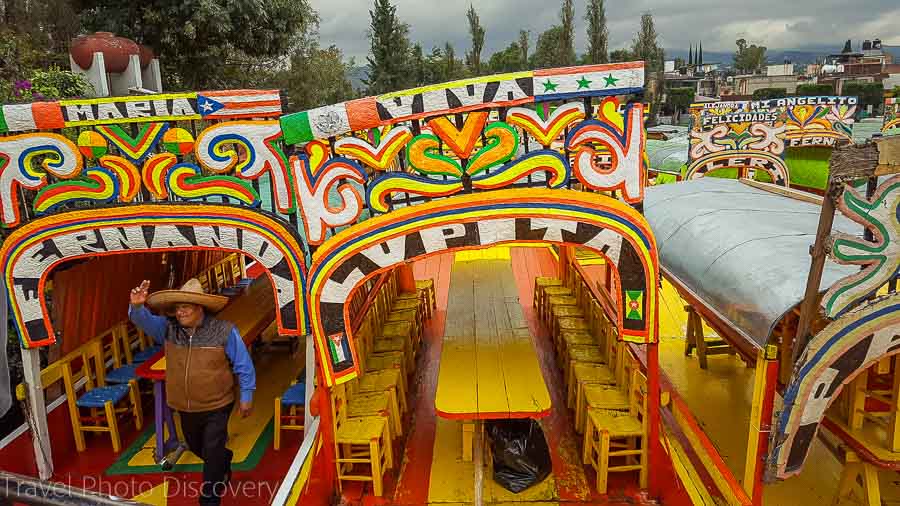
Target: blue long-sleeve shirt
{"type": "Point", "coordinates": [241, 362]}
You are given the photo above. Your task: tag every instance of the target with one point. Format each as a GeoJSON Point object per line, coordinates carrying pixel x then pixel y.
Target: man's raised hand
{"type": "Point", "coordinates": [139, 293]}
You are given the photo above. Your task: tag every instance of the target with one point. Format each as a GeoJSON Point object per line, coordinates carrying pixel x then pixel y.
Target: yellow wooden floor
{"type": "Point", "coordinates": [274, 372]}
{"type": "Point", "coordinates": [720, 399]}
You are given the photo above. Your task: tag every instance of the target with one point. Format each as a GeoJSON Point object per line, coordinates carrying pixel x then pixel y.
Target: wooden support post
{"type": "Point", "coordinates": [657, 455]}
{"type": "Point", "coordinates": [869, 491]}
{"type": "Point", "coordinates": [857, 402]}
{"type": "Point", "coordinates": [468, 434]}
{"type": "Point", "coordinates": [894, 428]}
{"type": "Point", "coordinates": [37, 412]}
{"type": "Point", "coordinates": [760, 422]}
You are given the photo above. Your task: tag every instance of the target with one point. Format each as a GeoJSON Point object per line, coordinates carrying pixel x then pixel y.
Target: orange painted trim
{"type": "Point", "coordinates": [362, 113]}
{"type": "Point", "coordinates": [589, 68]}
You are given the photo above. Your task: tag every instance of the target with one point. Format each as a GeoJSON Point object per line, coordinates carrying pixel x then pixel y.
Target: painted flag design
{"type": "Point", "coordinates": [239, 104]}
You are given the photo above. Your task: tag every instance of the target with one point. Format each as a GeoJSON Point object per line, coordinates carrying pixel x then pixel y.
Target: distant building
{"type": "Point", "coordinates": [870, 64]}
{"type": "Point", "coordinates": [784, 69]}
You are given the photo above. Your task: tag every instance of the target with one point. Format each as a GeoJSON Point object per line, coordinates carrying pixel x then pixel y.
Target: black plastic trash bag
{"type": "Point", "coordinates": [520, 453]}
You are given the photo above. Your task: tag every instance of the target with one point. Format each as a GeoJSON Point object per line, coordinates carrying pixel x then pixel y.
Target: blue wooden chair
{"type": "Point", "coordinates": [101, 399]}
{"type": "Point", "coordinates": [294, 398]}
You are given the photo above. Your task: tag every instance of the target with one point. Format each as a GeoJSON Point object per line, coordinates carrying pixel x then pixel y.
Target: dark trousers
{"type": "Point", "coordinates": [206, 433]}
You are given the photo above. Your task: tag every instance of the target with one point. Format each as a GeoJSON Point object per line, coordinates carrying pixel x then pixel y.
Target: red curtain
{"type": "Point", "coordinates": [91, 296]}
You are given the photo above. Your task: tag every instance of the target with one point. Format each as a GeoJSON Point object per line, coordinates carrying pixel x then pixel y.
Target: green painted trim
{"type": "Point", "coordinates": [296, 128]}
{"type": "Point", "coordinates": [120, 466]}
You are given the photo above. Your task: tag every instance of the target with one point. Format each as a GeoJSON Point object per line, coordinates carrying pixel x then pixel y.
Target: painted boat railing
{"type": "Point", "coordinates": [28, 490]}
{"type": "Point", "coordinates": [696, 460]}
{"type": "Point", "coordinates": [298, 474]}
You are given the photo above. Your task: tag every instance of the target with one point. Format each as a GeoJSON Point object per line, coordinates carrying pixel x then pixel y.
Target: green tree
{"type": "Point", "coordinates": [598, 35]}
{"type": "Point", "coordinates": [473, 57]}
{"type": "Point", "coordinates": [546, 51]}
{"type": "Point", "coordinates": [418, 66]}
{"type": "Point", "coordinates": [749, 58]}
{"type": "Point", "coordinates": [769, 93]}
{"type": "Point", "coordinates": [33, 36]}
{"type": "Point", "coordinates": [645, 47]}
{"type": "Point", "coordinates": [507, 60]}
{"type": "Point", "coordinates": [678, 100]}
{"type": "Point", "coordinates": [867, 93]}
{"type": "Point", "coordinates": [566, 41]}
{"type": "Point", "coordinates": [620, 55]}
{"type": "Point", "coordinates": [847, 47]}
{"type": "Point", "coordinates": [205, 43]}
{"type": "Point", "coordinates": [315, 77]}
{"type": "Point", "coordinates": [523, 46]}
{"type": "Point", "coordinates": [388, 49]}
{"type": "Point", "coordinates": [812, 90]}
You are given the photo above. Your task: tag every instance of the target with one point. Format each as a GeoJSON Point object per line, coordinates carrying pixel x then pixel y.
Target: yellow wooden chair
{"type": "Point", "coordinates": [362, 440]}
{"type": "Point", "coordinates": [410, 316]}
{"type": "Point", "coordinates": [396, 336]}
{"type": "Point", "coordinates": [203, 278]}
{"type": "Point", "coordinates": [294, 398]}
{"type": "Point", "coordinates": [427, 285]}
{"type": "Point", "coordinates": [616, 441]}
{"type": "Point", "coordinates": [540, 283]}
{"type": "Point", "coordinates": [220, 277]}
{"type": "Point", "coordinates": [385, 380]}
{"type": "Point", "coordinates": [599, 396]}
{"type": "Point", "coordinates": [99, 396]}
{"type": "Point", "coordinates": [585, 374]}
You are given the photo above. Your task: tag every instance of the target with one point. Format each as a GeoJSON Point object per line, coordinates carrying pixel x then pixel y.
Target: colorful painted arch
{"type": "Point", "coordinates": [474, 221]}
{"type": "Point", "coordinates": [33, 250]}
{"type": "Point", "coordinates": [845, 348]}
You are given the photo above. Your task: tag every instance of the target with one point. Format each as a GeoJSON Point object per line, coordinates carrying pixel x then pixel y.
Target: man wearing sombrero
{"type": "Point", "coordinates": [203, 355]}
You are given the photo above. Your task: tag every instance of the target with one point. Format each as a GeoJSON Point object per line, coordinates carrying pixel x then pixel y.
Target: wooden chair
{"type": "Point", "coordinates": [219, 276]}
{"type": "Point", "coordinates": [99, 396]}
{"type": "Point", "coordinates": [203, 278]}
{"type": "Point", "coordinates": [427, 285]}
{"type": "Point", "coordinates": [117, 346]}
{"type": "Point", "coordinates": [540, 283]}
{"type": "Point", "coordinates": [599, 396]}
{"type": "Point", "coordinates": [294, 398]}
{"type": "Point", "coordinates": [364, 440]}
{"type": "Point", "coordinates": [619, 436]}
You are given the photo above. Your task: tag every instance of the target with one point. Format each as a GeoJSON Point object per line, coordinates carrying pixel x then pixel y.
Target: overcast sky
{"type": "Point", "coordinates": [777, 24]}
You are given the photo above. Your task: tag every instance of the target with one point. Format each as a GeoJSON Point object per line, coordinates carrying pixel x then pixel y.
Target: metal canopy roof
{"type": "Point", "coordinates": [742, 251]}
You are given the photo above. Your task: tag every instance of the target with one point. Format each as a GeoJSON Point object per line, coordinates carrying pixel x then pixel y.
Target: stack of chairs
{"type": "Point", "coordinates": [226, 277]}
{"type": "Point", "coordinates": [604, 385]}
{"type": "Point", "coordinates": [387, 341]}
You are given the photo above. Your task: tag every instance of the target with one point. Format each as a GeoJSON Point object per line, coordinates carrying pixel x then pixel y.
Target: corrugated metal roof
{"type": "Point", "coordinates": [741, 250]}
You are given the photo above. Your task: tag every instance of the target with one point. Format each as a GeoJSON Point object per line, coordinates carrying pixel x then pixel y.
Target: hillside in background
{"type": "Point", "coordinates": [775, 56]}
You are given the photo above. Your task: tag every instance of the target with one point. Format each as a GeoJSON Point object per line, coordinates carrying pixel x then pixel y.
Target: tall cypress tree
{"type": "Point", "coordinates": [701, 53]}
{"type": "Point", "coordinates": [388, 49]}
{"type": "Point", "coordinates": [566, 54]}
{"type": "Point", "coordinates": [523, 46]}
{"type": "Point", "coordinates": [598, 35]}
{"type": "Point", "coordinates": [473, 58]}
{"type": "Point", "coordinates": [691, 56]}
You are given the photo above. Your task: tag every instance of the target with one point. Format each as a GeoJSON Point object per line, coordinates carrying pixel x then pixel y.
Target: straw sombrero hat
{"type": "Point", "coordinates": [190, 293]}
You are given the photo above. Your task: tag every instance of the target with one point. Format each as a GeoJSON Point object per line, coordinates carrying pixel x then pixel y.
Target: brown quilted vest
{"type": "Point", "coordinates": [199, 376]}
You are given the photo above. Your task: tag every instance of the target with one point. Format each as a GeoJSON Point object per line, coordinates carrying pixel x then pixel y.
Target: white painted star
{"type": "Point", "coordinates": [206, 106]}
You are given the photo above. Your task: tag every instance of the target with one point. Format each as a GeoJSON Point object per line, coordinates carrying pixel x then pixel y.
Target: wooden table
{"type": "Point", "coordinates": [489, 369]}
